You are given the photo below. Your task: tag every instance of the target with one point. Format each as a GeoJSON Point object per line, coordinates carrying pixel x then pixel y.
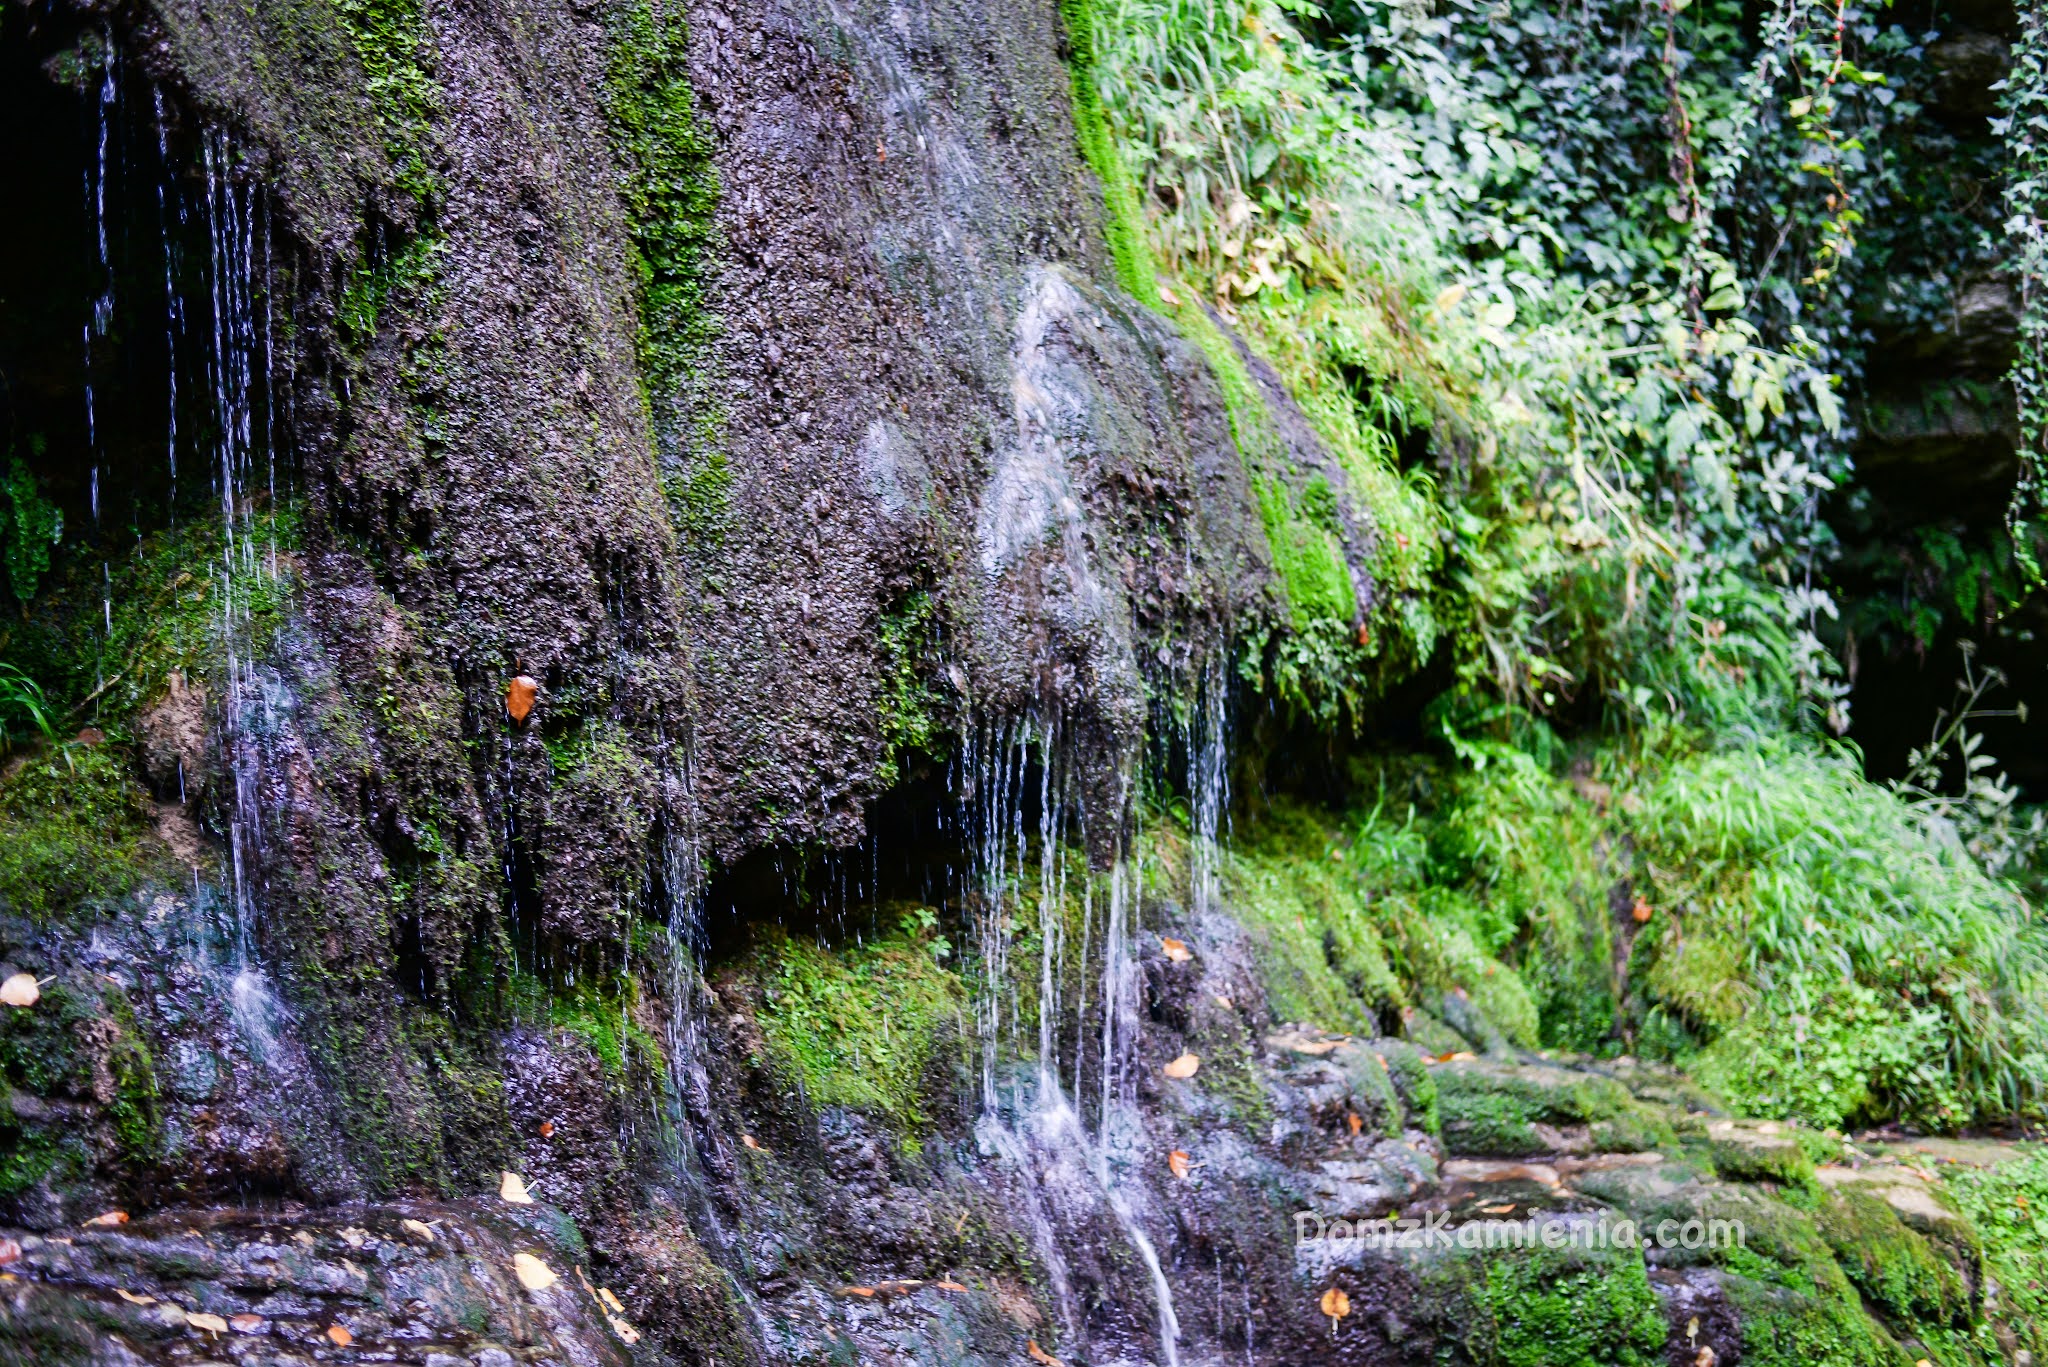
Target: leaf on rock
{"type": "Point", "coordinates": [519, 698]}
{"type": "Point", "coordinates": [1177, 1163]}
{"type": "Point", "coordinates": [1355, 1121]}
{"type": "Point", "coordinates": [340, 1334]}
{"type": "Point", "coordinates": [623, 1329]}
{"type": "Point", "coordinates": [533, 1274]}
{"type": "Point", "coordinates": [1336, 1305]}
{"type": "Point", "coordinates": [212, 1324]}
{"type": "Point", "coordinates": [1040, 1356]}
{"type": "Point", "coordinates": [132, 1298]}
{"type": "Point", "coordinates": [512, 1187]}
{"type": "Point", "coordinates": [419, 1229]}
{"type": "Point", "coordinates": [21, 989]}
{"type": "Point", "coordinates": [1642, 910]}
{"type": "Point", "coordinates": [247, 1324]}
{"type": "Point", "coordinates": [1183, 1067]}
{"type": "Point", "coordinates": [1176, 950]}
{"type": "Point", "coordinates": [107, 1219]}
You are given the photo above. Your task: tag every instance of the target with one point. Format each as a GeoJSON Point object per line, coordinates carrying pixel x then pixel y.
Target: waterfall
{"type": "Point", "coordinates": [238, 365]}
{"type": "Point", "coordinates": [101, 321]}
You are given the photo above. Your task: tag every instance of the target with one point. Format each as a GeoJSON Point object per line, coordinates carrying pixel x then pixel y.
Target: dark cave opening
{"type": "Point", "coordinates": [136, 334]}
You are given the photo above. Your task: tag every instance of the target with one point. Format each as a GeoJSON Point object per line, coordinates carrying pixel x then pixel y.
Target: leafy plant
{"type": "Point", "coordinates": [30, 525]}
{"type": "Point", "coordinates": [22, 699]}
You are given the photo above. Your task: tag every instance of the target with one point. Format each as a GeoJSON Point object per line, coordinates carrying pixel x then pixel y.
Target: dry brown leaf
{"type": "Point", "coordinates": [10, 1252]}
{"type": "Point", "coordinates": [21, 989]}
{"type": "Point", "coordinates": [547, 1129]}
{"type": "Point", "coordinates": [133, 1299]}
{"type": "Point", "coordinates": [1336, 1305]}
{"type": "Point", "coordinates": [1497, 1210]}
{"type": "Point", "coordinates": [750, 1141]}
{"type": "Point", "coordinates": [107, 1219]}
{"type": "Point", "coordinates": [866, 1291]}
{"type": "Point", "coordinates": [1040, 1356]}
{"type": "Point", "coordinates": [340, 1334]}
{"type": "Point", "coordinates": [1642, 910]}
{"type": "Point", "coordinates": [533, 1274]}
{"type": "Point", "coordinates": [419, 1229]}
{"type": "Point", "coordinates": [1177, 1163]}
{"type": "Point", "coordinates": [354, 1237]}
{"type": "Point", "coordinates": [610, 1302]}
{"type": "Point", "coordinates": [1355, 1121]}
{"type": "Point", "coordinates": [1225, 1003]}
{"type": "Point", "coordinates": [519, 697]}
{"type": "Point", "coordinates": [302, 1237]}
{"type": "Point", "coordinates": [1707, 1357]}
{"type": "Point", "coordinates": [246, 1324]}
{"type": "Point", "coordinates": [1383, 1063]}
{"type": "Point", "coordinates": [1183, 1067]}
{"type": "Point", "coordinates": [623, 1330]}
{"type": "Point", "coordinates": [512, 1187]}
{"type": "Point", "coordinates": [212, 1324]}
{"type": "Point", "coordinates": [949, 1286]}
{"type": "Point", "coordinates": [1166, 293]}
{"type": "Point", "coordinates": [1176, 950]}
{"type": "Point", "coordinates": [1318, 1049]}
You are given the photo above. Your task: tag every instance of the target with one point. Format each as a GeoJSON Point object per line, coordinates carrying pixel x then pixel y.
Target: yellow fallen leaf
{"type": "Point", "coordinates": [1319, 1048]}
{"type": "Point", "coordinates": [1176, 950]}
{"type": "Point", "coordinates": [21, 989]}
{"type": "Point", "coordinates": [949, 1286]}
{"type": "Point", "coordinates": [1040, 1356]}
{"type": "Point", "coordinates": [212, 1324]}
{"type": "Point", "coordinates": [863, 1291]}
{"type": "Point", "coordinates": [340, 1334]}
{"type": "Point", "coordinates": [132, 1298]}
{"type": "Point", "coordinates": [302, 1237]}
{"type": "Point", "coordinates": [611, 1302]}
{"type": "Point", "coordinates": [519, 697]}
{"type": "Point", "coordinates": [1449, 297]}
{"type": "Point", "coordinates": [1183, 1067]}
{"type": "Point", "coordinates": [1225, 1003]}
{"type": "Point", "coordinates": [512, 1187]}
{"type": "Point", "coordinates": [108, 1219]}
{"type": "Point", "coordinates": [247, 1324]}
{"type": "Point", "coordinates": [1177, 1163]}
{"type": "Point", "coordinates": [750, 1141]}
{"type": "Point", "coordinates": [353, 1237]}
{"type": "Point", "coordinates": [1497, 1210]}
{"type": "Point", "coordinates": [419, 1229]}
{"type": "Point", "coordinates": [533, 1274]}
{"type": "Point", "coordinates": [1336, 1305]}
{"type": "Point", "coordinates": [1707, 1357]}
{"type": "Point", "coordinates": [623, 1329]}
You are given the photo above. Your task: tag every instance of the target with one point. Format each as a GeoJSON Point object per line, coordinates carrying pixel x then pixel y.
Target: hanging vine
{"type": "Point", "coordinates": [2025, 130]}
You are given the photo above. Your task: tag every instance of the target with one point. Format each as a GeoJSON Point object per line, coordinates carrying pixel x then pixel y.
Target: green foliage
{"type": "Point", "coordinates": [907, 702]}
{"type": "Point", "coordinates": [1895, 1268]}
{"type": "Point", "coordinates": [859, 1025]}
{"type": "Point", "coordinates": [2024, 129]}
{"type": "Point", "coordinates": [2007, 1204]}
{"type": "Point", "coordinates": [30, 525]}
{"type": "Point", "coordinates": [24, 708]}
{"type": "Point", "coordinates": [1545, 1307]}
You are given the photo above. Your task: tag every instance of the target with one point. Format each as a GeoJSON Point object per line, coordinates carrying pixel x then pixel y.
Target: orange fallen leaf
{"type": "Point", "coordinates": [1642, 910]}
{"type": "Point", "coordinates": [10, 1252]}
{"type": "Point", "coordinates": [21, 989]}
{"type": "Point", "coordinates": [519, 698]}
{"type": "Point", "coordinates": [1040, 1356]}
{"type": "Point", "coordinates": [1355, 1121]}
{"type": "Point", "coordinates": [108, 1219]}
{"type": "Point", "coordinates": [247, 1324]}
{"type": "Point", "coordinates": [750, 1141]}
{"type": "Point", "coordinates": [1497, 1210]}
{"type": "Point", "coordinates": [547, 1129]}
{"type": "Point", "coordinates": [624, 1330]}
{"type": "Point", "coordinates": [865, 1291]}
{"type": "Point", "coordinates": [1176, 950]}
{"type": "Point", "coordinates": [949, 1286]}
{"type": "Point", "coordinates": [533, 1274]}
{"type": "Point", "coordinates": [1707, 1357]}
{"type": "Point", "coordinates": [129, 1296]}
{"type": "Point", "coordinates": [1183, 1067]}
{"type": "Point", "coordinates": [340, 1334]}
{"type": "Point", "coordinates": [1177, 1163]}
{"type": "Point", "coordinates": [212, 1324]}
{"type": "Point", "coordinates": [1336, 1305]}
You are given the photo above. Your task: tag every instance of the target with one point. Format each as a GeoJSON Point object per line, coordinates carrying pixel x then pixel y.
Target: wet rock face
{"type": "Point", "coordinates": [424, 1285]}
{"type": "Point", "coordinates": [938, 420]}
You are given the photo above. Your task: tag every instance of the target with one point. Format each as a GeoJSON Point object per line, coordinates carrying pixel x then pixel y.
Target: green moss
{"type": "Point", "coordinates": [1543, 1307]}
{"type": "Point", "coordinates": [1125, 223]}
{"type": "Point", "coordinates": [907, 702]}
{"type": "Point", "coordinates": [390, 38]}
{"type": "Point", "coordinates": [74, 832]}
{"type": "Point", "coordinates": [1745, 1155]}
{"type": "Point", "coordinates": [1492, 1110]}
{"type": "Point", "coordinates": [857, 1026]}
{"type": "Point", "coordinates": [1781, 1327]}
{"type": "Point", "coordinates": [669, 193]}
{"type": "Point", "coordinates": [1902, 1272]}
{"type": "Point", "coordinates": [411, 273]}
{"type": "Point", "coordinates": [2007, 1205]}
